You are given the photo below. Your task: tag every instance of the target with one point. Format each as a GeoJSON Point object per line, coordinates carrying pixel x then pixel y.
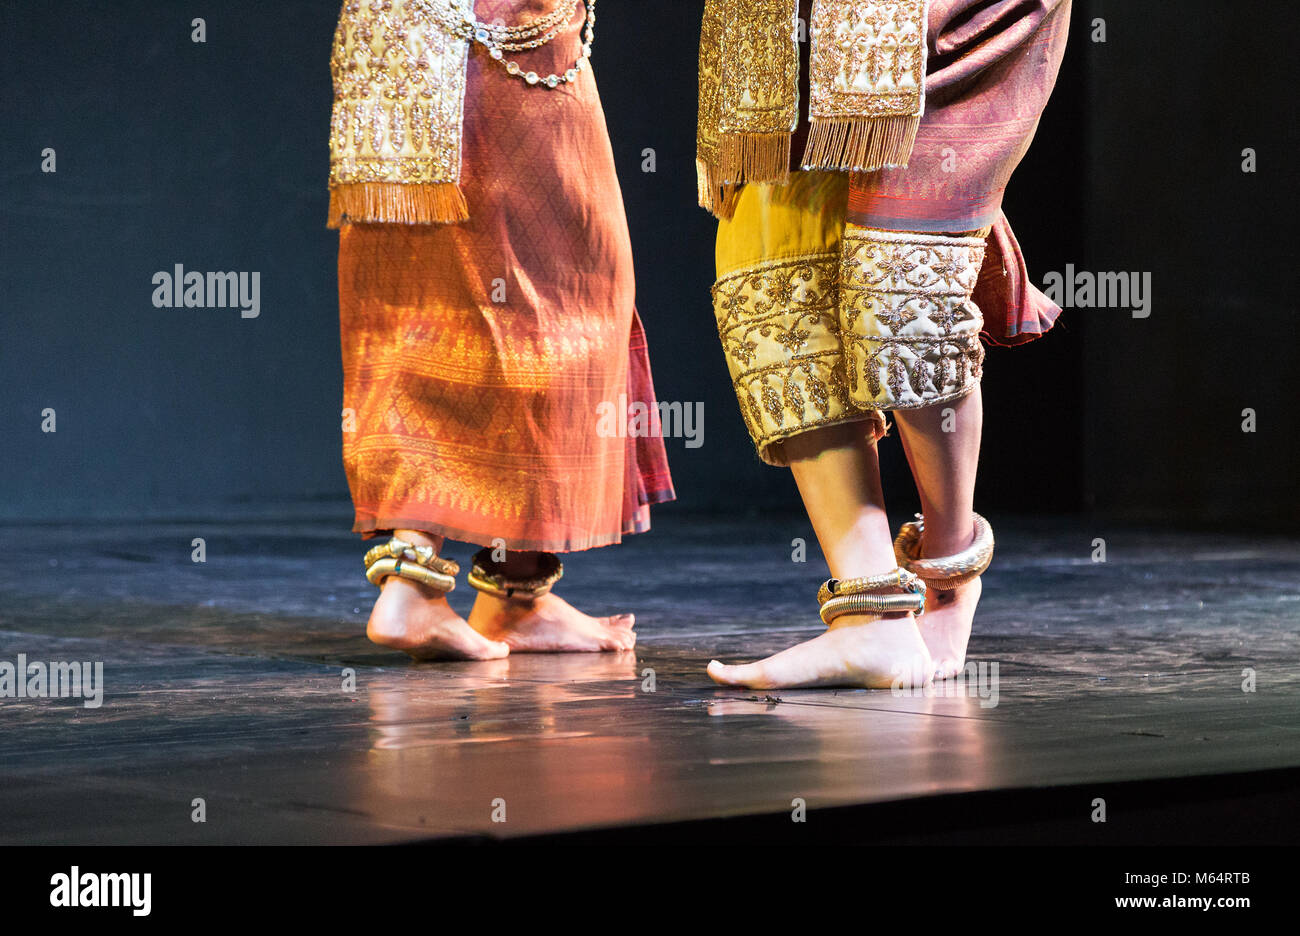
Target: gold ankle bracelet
{"type": "Point", "coordinates": [863, 595]}
{"type": "Point", "coordinates": [945, 572]}
{"type": "Point", "coordinates": [406, 560]}
{"type": "Point", "coordinates": [488, 576]}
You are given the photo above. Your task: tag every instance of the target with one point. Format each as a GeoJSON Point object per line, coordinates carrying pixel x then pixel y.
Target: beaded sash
{"type": "Point", "coordinates": [867, 77]}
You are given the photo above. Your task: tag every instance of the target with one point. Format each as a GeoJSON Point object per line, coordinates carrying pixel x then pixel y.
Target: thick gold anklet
{"type": "Point", "coordinates": [406, 560]}
{"type": "Point", "coordinates": [863, 595]}
{"type": "Point", "coordinates": [488, 576]}
{"type": "Point", "coordinates": [899, 578]}
{"type": "Point", "coordinates": [945, 572]}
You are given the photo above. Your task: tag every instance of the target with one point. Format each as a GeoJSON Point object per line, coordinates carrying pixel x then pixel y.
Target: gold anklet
{"type": "Point", "coordinates": [403, 568]}
{"type": "Point", "coordinates": [406, 560]}
{"type": "Point", "coordinates": [488, 576]}
{"type": "Point", "coordinates": [945, 572]}
{"type": "Point", "coordinates": [863, 595]}
{"type": "Point", "coordinates": [899, 578]}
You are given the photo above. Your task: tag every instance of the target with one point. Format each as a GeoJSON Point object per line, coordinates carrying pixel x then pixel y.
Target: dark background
{"type": "Point", "coordinates": [215, 156]}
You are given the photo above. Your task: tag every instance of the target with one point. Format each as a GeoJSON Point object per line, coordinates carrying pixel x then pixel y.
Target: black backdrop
{"type": "Point", "coordinates": [214, 156]}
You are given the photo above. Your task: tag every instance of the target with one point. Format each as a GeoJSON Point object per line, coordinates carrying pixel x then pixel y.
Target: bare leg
{"type": "Point", "coordinates": [548, 624]}
{"type": "Point", "coordinates": [838, 474]}
{"type": "Point", "coordinates": [416, 619]}
{"type": "Point", "coordinates": [944, 464]}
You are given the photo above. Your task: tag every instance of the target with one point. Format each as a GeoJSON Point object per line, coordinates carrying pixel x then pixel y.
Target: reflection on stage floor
{"type": "Point", "coordinates": [246, 682]}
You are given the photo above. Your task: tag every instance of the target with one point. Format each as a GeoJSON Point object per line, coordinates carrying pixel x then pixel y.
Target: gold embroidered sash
{"type": "Point", "coordinates": [399, 99]}
{"type": "Point", "coordinates": [867, 79]}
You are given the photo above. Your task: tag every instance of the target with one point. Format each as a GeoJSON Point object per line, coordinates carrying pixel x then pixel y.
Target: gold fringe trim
{"type": "Point", "coordinates": [397, 203]}
{"type": "Point", "coordinates": [739, 158]}
{"type": "Point", "coordinates": [754, 157]}
{"type": "Point", "coordinates": [862, 144]}
{"type": "Point", "coordinates": [715, 195]}
{"type": "Point", "coordinates": [727, 207]}
{"type": "Point", "coordinates": [708, 186]}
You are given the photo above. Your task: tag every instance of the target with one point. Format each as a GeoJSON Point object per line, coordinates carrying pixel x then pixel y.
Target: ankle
{"type": "Point", "coordinates": [893, 618]}
{"type": "Point", "coordinates": [522, 565]}
{"type": "Point", "coordinates": [395, 585]}
{"type": "Point", "coordinates": [499, 606]}
{"type": "Point", "coordinates": [417, 538]}
{"type": "Point", "coordinates": [946, 540]}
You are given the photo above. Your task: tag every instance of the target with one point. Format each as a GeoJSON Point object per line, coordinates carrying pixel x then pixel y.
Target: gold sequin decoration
{"type": "Point", "coordinates": [909, 328]}
{"type": "Point", "coordinates": [868, 58]}
{"type": "Point", "coordinates": [399, 88]}
{"type": "Point", "coordinates": [778, 322]}
{"type": "Point", "coordinates": [760, 65]}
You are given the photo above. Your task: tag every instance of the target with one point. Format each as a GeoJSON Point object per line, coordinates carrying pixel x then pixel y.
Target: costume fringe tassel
{"type": "Point", "coordinates": [715, 195]}
{"type": "Point", "coordinates": [727, 207]}
{"type": "Point", "coordinates": [740, 158]}
{"type": "Point", "coordinates": [754, 157]}
{"type": "Point", "coordinates": [719, 198]}
{"type": "Point", "coordinates": [397, 202]}
{"type": "Point", "coordinates": [861, 144]}
{"type": "Point", "coordinates": [708, 188]}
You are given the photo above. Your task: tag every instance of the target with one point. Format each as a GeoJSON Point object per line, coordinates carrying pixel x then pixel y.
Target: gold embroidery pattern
{"type": "Point", "coordinates": [399, 88]}
{"type": "Point", "coordinates": [749, 96]}
{"type": "Point", "coordinates": [910, 330]}
{"type": "Point", "coordinates": [868, 58]}
{"type": "Point", "coordinates": [778, 325]}
{"type": "Point", "coordinates": [867, 71]}
{"type": "Point", "coordinates": [760, 60]}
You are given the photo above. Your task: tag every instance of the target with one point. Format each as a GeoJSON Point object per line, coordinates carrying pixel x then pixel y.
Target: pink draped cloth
{"type": "Point", "coordinates": [992, 66]}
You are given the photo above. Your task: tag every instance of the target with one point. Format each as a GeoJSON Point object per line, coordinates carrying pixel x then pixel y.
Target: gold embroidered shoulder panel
{"type": "Point", "coordinates": [399, 73]}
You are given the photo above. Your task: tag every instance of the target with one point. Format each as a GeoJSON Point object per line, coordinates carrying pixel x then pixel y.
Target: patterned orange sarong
{"type": "Point", "coordinates": [476, 356]}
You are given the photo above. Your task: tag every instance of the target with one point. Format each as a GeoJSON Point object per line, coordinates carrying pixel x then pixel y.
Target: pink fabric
{"type": "Point", "coordinates": [645, 463]}
{"type": "Point", "coordinates": [1005, 293]}
{"type": "Point", "coordinates": [992, 66]}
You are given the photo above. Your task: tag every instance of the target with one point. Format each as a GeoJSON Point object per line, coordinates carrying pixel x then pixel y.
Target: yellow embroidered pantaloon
{"type": "Point", "coordinates": [825, 322]}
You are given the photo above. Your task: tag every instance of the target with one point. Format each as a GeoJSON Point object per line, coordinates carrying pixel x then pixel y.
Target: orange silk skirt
{"type": "Point", "coordinates": [477, 356]}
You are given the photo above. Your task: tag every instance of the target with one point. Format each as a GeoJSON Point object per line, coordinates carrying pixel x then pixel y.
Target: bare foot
{"type": "Point", "coordinates": [548, 624]}
{"type": "Point", "coordinates": [417, 619]}
{"type": "Point", "coordinates": [871, 654]}
{"type": "Point", "coordinates": [946, 626]}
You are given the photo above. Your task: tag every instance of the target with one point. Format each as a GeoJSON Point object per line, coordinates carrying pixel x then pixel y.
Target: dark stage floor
{"type": "Point", "coordinates": [1120, 680]}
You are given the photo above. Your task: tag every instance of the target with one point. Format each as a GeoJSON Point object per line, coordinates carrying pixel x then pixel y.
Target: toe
{"type": "Point", "coordinates": [740, 675]}
{"type": "Point", "coordinates": [618, 632]}
{"type": "Point", "coordinates": [620, 621]}
{"type": "Point", "coordinates": [615, 641]}
{"type": "Point", "coordinates": [946, 669]}
{"type": "Point", "coordinates": [478, 647]}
